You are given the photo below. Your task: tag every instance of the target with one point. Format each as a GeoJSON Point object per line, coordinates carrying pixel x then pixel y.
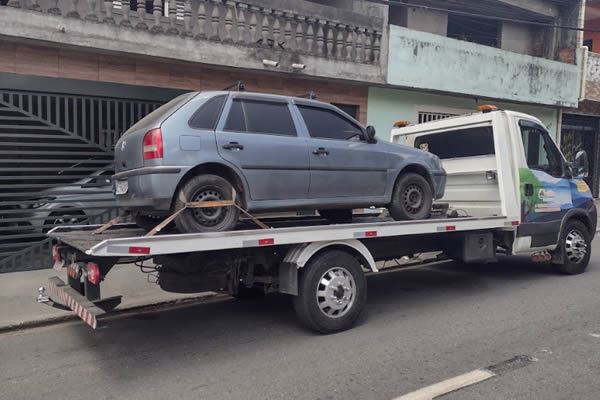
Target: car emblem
{"type": "Point", "coordinates": [123, 144]}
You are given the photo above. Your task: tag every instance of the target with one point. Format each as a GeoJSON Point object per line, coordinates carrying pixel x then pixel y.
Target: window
{"type": "Point", "coordinates": [207, 115]}
{"type": "Point", "coordinates": [473, 142]}
{"type": "Point", "coordinates": [260, 117]}
{"type": "Point", "coordinates": [540, 151]}
{"type": "Point", "coordinates": [473, 29]}
{"type": "Point", "coordinates": [327, 124]}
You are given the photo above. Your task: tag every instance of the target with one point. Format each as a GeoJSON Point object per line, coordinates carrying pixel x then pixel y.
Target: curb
{"type": "Point", "coordinates": [121, 312]}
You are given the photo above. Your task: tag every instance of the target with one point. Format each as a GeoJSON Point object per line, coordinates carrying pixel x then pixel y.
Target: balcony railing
{"type": "Point", "coordinates": [227, 22]}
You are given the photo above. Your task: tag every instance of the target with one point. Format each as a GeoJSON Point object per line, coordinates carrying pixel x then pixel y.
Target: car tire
{"type": "Point", "coordinates": [325, 315]}
{"type": "Point", "coordinates": [64, 216]}
{"type": "Point", "coordinates": [336, 216]}
{"type": "Point", "coordinates": [412, 198]}
{"type": "Point", "coordinates": [575, 245]}
{"type": "Point", "coordinates": [205, 188]}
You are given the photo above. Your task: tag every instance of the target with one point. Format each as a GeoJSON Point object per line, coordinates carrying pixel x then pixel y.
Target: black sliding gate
{"type": "Point", "coordinates": [56, 156]}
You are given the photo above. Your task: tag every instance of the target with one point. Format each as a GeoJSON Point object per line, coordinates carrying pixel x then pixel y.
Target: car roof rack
{"type": "Point", "coordinates": [238, 85]}
{"type": "Point", "coordinates": [310, 95]}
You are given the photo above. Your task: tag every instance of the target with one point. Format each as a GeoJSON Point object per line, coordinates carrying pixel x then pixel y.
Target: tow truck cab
{"type": "Point", "coordinates": [496, 151]}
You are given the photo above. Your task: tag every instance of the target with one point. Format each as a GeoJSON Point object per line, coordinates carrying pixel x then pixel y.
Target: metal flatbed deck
{"type": "Point", "coordinates": [126, 240]}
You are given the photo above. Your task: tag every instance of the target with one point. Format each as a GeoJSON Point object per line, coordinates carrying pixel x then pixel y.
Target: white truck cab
{"type": "Point", "coordinates": [506, 163]}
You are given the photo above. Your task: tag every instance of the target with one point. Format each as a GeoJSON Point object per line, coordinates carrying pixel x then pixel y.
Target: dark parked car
{"type": "Point", "coordinates": [270, 153]}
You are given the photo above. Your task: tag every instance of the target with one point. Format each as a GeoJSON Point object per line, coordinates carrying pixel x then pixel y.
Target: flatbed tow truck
{"type": "Point", "coordinates": [498, 201]}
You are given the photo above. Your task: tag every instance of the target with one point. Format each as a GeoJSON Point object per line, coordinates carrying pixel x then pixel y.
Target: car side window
{"type": "Point", "coordinates": [207, 115]}
{"type": "Point", "coordinates": [328, 124]}
{"type": "Point", "coordinates": [540, 151]}
{"type": "Point", "coordinates": [253, 116]}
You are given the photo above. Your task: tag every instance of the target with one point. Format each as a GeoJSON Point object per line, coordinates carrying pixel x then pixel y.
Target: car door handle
{"type": "Point", "coordinates": [233, 146]}
{"type": "Point", "coordinates": [320, 152]}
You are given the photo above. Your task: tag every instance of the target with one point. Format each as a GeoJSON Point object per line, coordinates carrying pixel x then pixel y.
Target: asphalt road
{"type": "Point", "coordinates": [420, 327]}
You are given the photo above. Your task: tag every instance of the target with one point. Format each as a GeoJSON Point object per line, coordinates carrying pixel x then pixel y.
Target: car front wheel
{"type": "Point", "coordinates": [214, 219]}
{"type": "Point", "coordinates": [412, 198]}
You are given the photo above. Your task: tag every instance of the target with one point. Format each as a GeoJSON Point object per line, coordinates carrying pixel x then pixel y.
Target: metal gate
{"type": "Point", "coordinates": [56, 155]}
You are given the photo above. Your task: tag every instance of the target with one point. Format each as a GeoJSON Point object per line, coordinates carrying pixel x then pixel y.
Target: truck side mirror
{"type": "Point", "coordinates": [581, 165]}
{"type": "Point", "coordinates": [370, 134]}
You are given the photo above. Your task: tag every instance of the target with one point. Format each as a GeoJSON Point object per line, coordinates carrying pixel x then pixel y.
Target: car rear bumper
{"type": "Point", "coordinates": [149, 188]}
{"type": "Point", "coordinates": [439, 183]}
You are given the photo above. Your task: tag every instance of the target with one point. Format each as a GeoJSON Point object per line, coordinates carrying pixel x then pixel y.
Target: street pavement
{"type": "Point", "coordinates": [421, 326]}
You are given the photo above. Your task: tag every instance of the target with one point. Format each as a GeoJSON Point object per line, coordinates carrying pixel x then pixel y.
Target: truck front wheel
{"type": "Point", "coordinates": [575, 245]}
{"type": "Point", "coordinates": [332, 291]}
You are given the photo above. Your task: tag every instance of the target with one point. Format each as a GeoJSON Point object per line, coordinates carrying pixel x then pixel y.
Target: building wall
{"type": "Point", "coordinates": [387, 106]}
{"type": "Point", "coordinates": [89, 66]}
{"type": "Point", "coordinates": [420, 19]}
{"type": "Point", "coordinates": [518, 38]}
{"type": "Point", "coordinates": [432, 62]}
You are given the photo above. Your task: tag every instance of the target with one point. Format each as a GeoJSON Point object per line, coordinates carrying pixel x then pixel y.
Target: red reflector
{"type": "Point", "coordinates": [451, 228]}
{"type": "Point", "coordinates": [139, 250]}
{"type": "Point", "coordinates": [93, 273]}
{"type": "Point", "coordinates": [153, 144]}
{"type": "Point", "coordinates": [56, 254]}
{"type": "Point", "coordinates": [515, 223]}
{"type": "Point", "coordinates": [266, 242]}
{"type": "Point", "coordinates": [371, 234]}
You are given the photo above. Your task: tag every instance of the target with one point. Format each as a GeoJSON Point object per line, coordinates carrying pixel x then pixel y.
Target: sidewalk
{"type": "Point", "coordinates": [18, 291]}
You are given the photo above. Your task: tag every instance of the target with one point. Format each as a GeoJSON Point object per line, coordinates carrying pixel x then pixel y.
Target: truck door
{"type": "Point", "coordinates": [545, 186]}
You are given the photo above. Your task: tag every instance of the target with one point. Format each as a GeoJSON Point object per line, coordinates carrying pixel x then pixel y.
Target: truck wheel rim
{"type": "Point", "coordinates": [575, 246]}
{"type": "Point", "coordinates": [413, 199]}
{"type": "Point", "coordinates": [336, 292]}
{"type": "Point", "coordinates": [209, 216]}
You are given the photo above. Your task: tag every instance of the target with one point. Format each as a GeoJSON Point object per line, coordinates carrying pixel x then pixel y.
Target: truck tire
{"type": "Point", "coordinates": [332, 291]}
{"type": "Point", "coordinates": [336, 216]}
{"type": "Point", "coordinates": [205, 188]}
{"type": "Point", "coordinates": [412, 198]}
{"type": "Point", "coordinates": [575, 245]}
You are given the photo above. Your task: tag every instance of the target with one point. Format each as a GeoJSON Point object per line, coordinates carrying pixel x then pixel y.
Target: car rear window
{"type": "Point", "coordinates": [254, 116]}
{"type": "Point", "coordinates": [157, 116]}
{"type": "Point", "coordinates": [328, 124]}
{"type": "Point", "coordinates": [460, 143]}
{"type": "Point", "coordinates": [207, 115]}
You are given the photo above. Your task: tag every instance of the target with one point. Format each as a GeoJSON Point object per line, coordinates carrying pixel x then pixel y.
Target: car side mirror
{"type": "Point", "coordinates": [581, 165]}
{"type": "Point", "coordinates": [370, 134]}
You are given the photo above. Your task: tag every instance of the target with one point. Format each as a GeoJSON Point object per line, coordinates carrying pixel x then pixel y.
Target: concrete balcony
{"type": "Point", "coordinates": [437, 63]}
{"type": "Point", "coordinates": [330, 43]}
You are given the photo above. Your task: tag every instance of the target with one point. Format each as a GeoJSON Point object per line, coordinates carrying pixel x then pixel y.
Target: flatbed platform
{"type": "Point", "coordinates": [126, 240]}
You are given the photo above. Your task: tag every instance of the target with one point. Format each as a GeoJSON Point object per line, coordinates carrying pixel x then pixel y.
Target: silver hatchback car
{"type": "Point", "coordinates": [269, 153]}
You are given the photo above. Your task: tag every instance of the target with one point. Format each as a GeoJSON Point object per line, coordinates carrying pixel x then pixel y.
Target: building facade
{"type": "Point", "coordinates": [447, 62]}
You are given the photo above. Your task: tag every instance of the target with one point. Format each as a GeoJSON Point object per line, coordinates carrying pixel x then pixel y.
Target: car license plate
{"type": "Point", "coordinates": [121, 187]}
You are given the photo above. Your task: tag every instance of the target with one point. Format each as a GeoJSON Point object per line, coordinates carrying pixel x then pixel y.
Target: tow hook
{"type": "Point", "coordinates": [540, 257]}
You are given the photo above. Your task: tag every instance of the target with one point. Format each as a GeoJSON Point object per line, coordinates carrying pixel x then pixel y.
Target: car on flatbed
{"type": "Point", "coordinates": [269, 153]}
{"type": "Point", "coordinates": [509, 191]}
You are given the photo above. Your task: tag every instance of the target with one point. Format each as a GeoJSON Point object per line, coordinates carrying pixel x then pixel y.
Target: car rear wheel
{"type": "Point", "coordinates": [412, 198]}
{"type": "Point", "coordinates": [148, 222]}
{"type": "Point", "coordinates": [63, 217]}
{"type": "Point", "coordinates": [214, 219]}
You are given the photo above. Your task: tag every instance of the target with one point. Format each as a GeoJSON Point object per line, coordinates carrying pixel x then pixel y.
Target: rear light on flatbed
{"type": "Point", "coordinates": [153, 144]}
{"type": "Point", "coordinates": [93, 273]}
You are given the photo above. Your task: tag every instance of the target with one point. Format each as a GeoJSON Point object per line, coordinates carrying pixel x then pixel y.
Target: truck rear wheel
{"type": "Point", "coordinates": [332, 291]}
{"type": "Point", "coordinates": [575, 245]}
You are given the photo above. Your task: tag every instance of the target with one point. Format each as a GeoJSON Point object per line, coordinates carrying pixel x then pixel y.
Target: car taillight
{"type": "Point", "coordinates": [93, 273]}
{"type": "Point", "coordinates": [153, 144]}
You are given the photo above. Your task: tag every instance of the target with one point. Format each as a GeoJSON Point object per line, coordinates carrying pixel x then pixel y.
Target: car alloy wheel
{"type": "Point", "coordinates": [575, 246]}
